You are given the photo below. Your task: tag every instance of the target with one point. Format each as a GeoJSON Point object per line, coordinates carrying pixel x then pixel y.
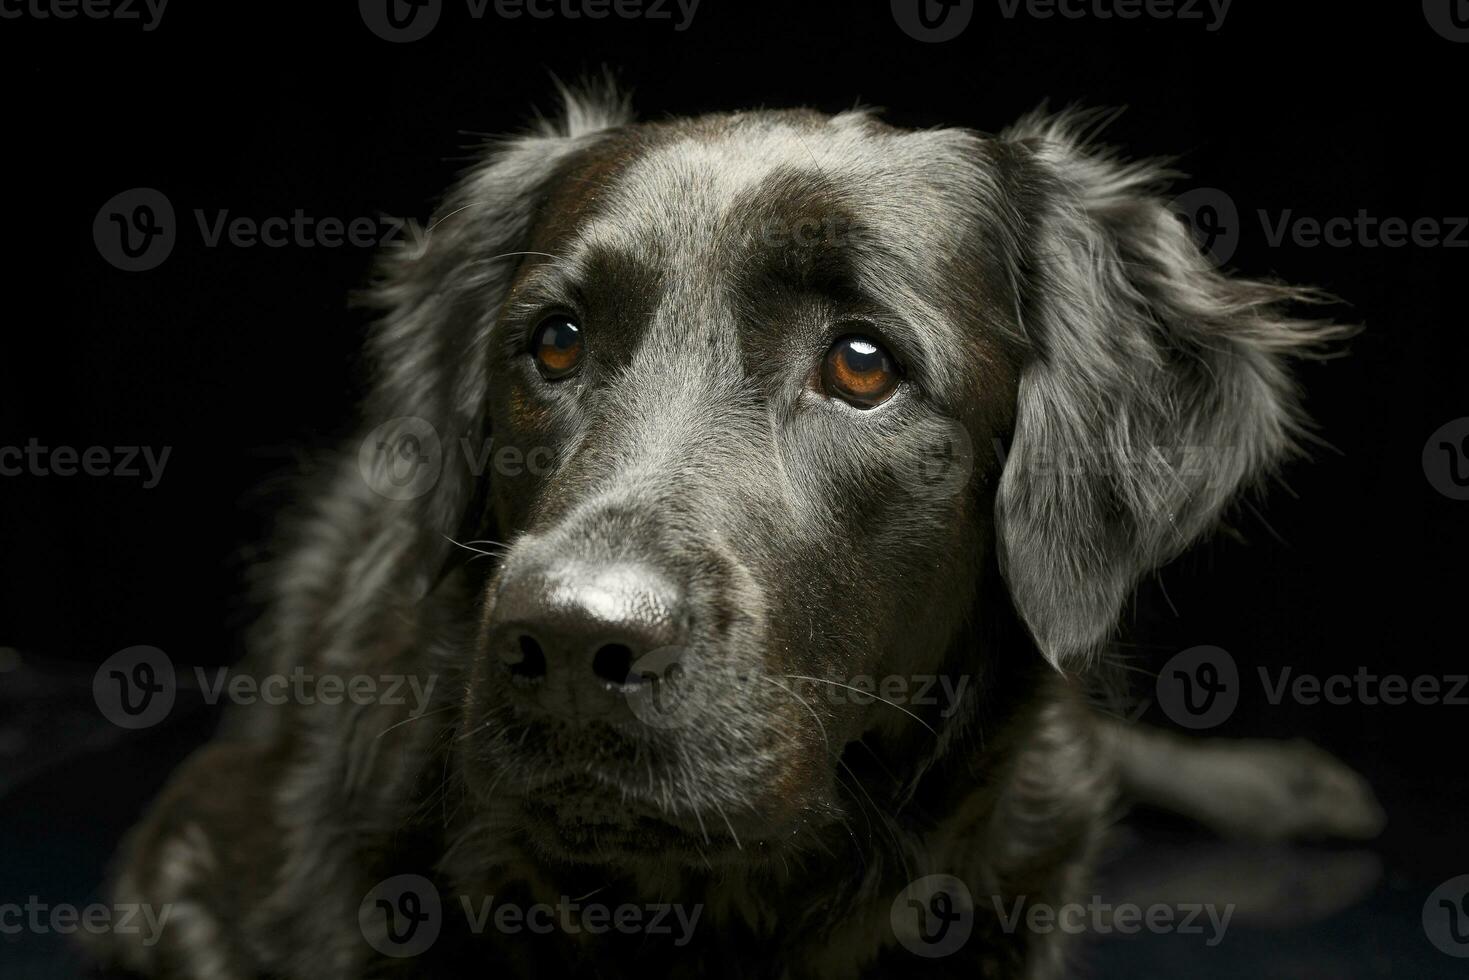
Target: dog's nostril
{"type": "Point", "coordinates": [532, 662]}
{"type": "Point", "coordinates": [613, 663]}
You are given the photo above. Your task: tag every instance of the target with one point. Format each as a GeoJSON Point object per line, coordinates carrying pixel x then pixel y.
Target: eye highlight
{"type": "Point", "coordinates": [556, 345]}
{"type": "Point", "coordinates": [859, 371]}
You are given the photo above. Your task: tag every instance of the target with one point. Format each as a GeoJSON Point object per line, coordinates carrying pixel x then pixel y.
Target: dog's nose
{"type": "Point", "coordinates": [575, 637]}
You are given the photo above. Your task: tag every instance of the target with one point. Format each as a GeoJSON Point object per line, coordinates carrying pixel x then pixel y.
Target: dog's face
{"type": "Point", "coordinates": [757, 430]}
{"type": "Point", "coordinates": [756, 369]}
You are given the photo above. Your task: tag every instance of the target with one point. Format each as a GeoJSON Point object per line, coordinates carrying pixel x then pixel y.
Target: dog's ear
{"type": "Point", "coordinates": [1153, 391]}
{"type": "Point", "coordinates": [440, 294]}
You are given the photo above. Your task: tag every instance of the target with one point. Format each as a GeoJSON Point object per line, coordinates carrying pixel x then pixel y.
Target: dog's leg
{"type": "Point", "coordinates": [194, 867]}
{"type": "Point", "coordinates": [1251, 788]}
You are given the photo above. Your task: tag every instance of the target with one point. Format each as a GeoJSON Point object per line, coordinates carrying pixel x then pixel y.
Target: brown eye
{"type": "Point", "coordinates": [556, 345]}
{"type": "Point", "coordinates": [858, 370]}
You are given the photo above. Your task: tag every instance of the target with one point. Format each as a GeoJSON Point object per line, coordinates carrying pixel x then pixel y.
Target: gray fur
{"type": "Point", "coordinates": [1155, 389]}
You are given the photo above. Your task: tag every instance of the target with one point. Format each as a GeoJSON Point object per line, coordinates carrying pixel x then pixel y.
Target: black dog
{"type": "Point", "coordinates": [813, 461]}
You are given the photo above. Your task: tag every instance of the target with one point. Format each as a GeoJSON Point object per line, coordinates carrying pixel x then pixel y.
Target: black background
{"type": "Point", "coordinates": [244, 360]}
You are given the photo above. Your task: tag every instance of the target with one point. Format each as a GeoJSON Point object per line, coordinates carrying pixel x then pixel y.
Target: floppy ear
{"type": "Point", "coordinates": [440, 297]}
{"type": "Point", "coordinates": [1154, 387]}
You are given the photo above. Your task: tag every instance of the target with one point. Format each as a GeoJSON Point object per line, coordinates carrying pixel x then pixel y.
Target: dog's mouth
{"type": "Point", "coordinates": [594, 832]}
{"type": "Point", "coordinates": [591, 823]}
{"type": "Point", "coordinates": [596, 792]}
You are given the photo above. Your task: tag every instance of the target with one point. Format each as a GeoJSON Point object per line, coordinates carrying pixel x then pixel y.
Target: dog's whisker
{"type": "Point", "coordinates": [720, 808]}
{"type": "Point", "coordinates": [876, 697]}
{"type": "Point", "coordinates": [425, 714]}
{"type": "Point", "coordinates": [825, 740]}
{"type": "Point", "coordinates": [466, 547]}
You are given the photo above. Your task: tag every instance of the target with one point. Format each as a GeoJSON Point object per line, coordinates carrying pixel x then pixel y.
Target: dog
{"type": "Point", "coordinates": [697, 452]}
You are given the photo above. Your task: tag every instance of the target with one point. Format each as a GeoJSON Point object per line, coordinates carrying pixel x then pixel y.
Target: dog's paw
{"type": "Point", "coordinates": [1282, 790]}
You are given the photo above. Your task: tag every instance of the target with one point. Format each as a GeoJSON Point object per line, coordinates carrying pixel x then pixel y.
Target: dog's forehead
{"type": "Point", "coordinates": [696, 185]}
{"type": "Point", "coordinates": [707, 206]}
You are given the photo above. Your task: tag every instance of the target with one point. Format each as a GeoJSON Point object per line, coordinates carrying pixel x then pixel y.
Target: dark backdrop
{"type": "Point", "coordinates": [244, 360]}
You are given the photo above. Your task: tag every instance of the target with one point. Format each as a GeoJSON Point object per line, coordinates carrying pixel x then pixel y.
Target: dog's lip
{"type": "Point", "coordinates": [600, 800]}
{"type": "Point", "coordinates": [630, 829]}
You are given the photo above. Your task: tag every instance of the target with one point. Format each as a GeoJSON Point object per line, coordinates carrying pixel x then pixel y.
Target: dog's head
{"type": "Point", "coordinates": [746, 406]}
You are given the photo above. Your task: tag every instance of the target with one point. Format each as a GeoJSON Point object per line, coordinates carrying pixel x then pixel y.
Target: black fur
{"type": "Point", "coordinates": [1043, 301]}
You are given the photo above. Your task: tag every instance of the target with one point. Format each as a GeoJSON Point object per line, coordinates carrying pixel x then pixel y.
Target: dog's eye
{"type": "Point", "coordinates": [858, 370]}
{"type": "Point", "coordinates": [556, 345]}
